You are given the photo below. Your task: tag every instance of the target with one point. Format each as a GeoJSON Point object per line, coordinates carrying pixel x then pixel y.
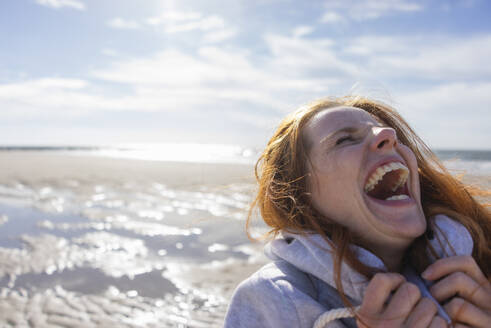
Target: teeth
{"type": "Point", "coordinates": [381, 171]}
{"type": "Point", "coordinates": [398, 197]}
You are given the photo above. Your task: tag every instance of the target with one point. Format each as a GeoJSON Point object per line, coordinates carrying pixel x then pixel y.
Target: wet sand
{"type": "Point", "coordinates": [33, 167]}
{"type": "Point", "coordinates": [99, 242]}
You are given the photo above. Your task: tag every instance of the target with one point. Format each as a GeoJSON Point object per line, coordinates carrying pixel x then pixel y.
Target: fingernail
{"type": "Point", "coordinates": [427, 273]}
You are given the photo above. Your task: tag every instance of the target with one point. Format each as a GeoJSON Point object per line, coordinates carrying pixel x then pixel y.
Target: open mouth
{"type": "Point", "coordinates": [388, 182]}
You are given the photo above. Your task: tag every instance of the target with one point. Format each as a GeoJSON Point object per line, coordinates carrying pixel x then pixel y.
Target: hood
{"type": "Point", "coordinates": [312, 254]}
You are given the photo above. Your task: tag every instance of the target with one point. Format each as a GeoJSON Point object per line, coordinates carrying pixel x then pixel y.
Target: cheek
{"type": "Point", "coordinates": [410, 159]}
{"type": "Point", "coordinates": [331, 194]}
{"type": "Point", "coordinates": [408, 155]}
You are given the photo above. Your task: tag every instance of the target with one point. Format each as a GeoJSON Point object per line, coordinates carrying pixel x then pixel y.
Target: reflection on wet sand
{"type": "Point", "coordinates": [82, 252]}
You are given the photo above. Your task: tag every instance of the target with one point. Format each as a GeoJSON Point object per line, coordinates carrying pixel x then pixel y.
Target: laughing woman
{"type": "Point", "coordinates": [363, 217]}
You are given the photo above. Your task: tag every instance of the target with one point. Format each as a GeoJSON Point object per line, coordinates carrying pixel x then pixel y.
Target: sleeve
{"type": "Point", "coordinates": [261, 303]}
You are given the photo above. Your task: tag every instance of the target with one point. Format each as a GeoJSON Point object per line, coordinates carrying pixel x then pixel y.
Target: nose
{"type": "Point", "coordinates": [383, 138]}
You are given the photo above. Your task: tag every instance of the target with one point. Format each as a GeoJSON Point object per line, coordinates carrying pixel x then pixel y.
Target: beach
{"type": "Point", "coordinates": [93, 241]}
{"type": "Point", "coordinates": [89, 241]}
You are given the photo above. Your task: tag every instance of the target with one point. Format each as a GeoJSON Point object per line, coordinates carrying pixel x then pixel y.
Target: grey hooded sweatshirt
{"type": "Point", "coordinates": [298, 285]}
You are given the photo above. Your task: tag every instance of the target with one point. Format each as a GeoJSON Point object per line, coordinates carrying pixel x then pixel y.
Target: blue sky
{"type": "Point", "coordinates": [138, 71]}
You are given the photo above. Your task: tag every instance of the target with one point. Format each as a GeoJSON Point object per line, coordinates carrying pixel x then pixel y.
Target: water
{"type": "Point", "coordinates": [475, 162]}
{"type": "Point", "coordinates": [94, 252]}
{"type": "Point", "coordinates": [176, 152]}
{"type": "Point", "coordinates": [472, 161]}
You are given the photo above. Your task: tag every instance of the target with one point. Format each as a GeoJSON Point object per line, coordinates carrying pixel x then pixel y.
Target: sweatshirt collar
{"type": "Point", "coordinates": [312, 254]}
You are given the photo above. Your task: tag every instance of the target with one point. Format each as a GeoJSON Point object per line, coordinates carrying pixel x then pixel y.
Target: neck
{"type": "Point", "coordinates": [392, 257]}
{"type": "Point", "coordinates": [390, 252]}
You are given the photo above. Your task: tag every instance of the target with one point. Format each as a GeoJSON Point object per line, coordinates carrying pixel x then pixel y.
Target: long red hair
{"type": "Point", "coordinates": [285, 203]}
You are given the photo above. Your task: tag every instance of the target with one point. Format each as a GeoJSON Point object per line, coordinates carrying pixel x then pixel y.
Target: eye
{"type": "Point", "coordinates": [343, 139]}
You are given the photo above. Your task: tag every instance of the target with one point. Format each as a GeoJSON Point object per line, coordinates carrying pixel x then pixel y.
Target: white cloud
{"type": "Point", "coordinates": [452, 59]}
{"type": "Point", "coordinates": [219, 35]}
{"type": "Point", "coordinates": [173, 80]}
{"type": "Point", "coordinates": [203, 24]}
{"type": "Point", "coordinates": [213, 79]}
{"type": "Point", "coordinates": [301, 31]}
{"type": "Point", "coordinates": [450, 115]}
{"type": "Point", "coordinates": [308, 56]}
{"type": "Point", "coordinates": [120, 23]}
{"type": "Point", "coordinates": [57, 4]}
{"type": "Point", "coordinates": [174, 16]}
{"type": "Point", "coordinates": [359, 10]}
{"type": "Point", "coordinates": [35, 87]}
{"type": "Point", "coordinates": [332, 17]}
{"type": "Point", "coordinates": [66, 97]}
{"type": "Point", "coordinates": [214, 28]}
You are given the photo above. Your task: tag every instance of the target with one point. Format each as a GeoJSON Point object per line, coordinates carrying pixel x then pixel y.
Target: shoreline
{"type": "Point", "coordinates": [33, 167]}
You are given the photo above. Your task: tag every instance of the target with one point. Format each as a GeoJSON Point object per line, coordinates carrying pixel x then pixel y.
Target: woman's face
{"type": "Point", "coordinates": [362, 178]}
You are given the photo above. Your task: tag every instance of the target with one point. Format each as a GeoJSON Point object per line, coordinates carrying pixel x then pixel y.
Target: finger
{"type": "Point", "coordinates": [360, 324]}
{"type": "Point", "coordinates": [459, 325]}
{"type": "Point", "coordinates": [378, 291]}
{"type": "Point", "coordinates": [466, 313]}
{"type": "Point", "coordinates": [422, 314]}
{"type": "Point", "coordinates": [448, 265]}
{"type": "Point", "coordinates": [459, 283]}
{"type": "Point", "coordinates": [403, 301]}
{"type": "Point", "coordinates": [438, 322]}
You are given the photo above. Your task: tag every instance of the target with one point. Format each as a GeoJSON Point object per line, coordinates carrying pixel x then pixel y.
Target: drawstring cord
{"type": "Point", "coordinates": [332, 315]}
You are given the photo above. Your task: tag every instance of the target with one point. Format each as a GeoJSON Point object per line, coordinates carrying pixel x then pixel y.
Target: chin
{"type": "Point", "coordinates": [408, 226]}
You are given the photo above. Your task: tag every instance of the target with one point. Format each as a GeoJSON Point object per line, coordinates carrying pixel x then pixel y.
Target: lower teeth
{"type": "Point", "coordinates": [397, 197]}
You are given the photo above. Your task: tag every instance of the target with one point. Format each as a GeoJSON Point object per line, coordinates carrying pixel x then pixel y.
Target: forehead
{"type": "Point", "coordinates": [332, 119]}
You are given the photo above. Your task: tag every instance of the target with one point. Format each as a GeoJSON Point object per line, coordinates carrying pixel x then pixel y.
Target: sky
{"type": "Point", "coordinates": [110, 72]}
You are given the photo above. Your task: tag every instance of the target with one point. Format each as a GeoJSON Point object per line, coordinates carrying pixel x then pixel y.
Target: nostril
{"type": "Point", "coordinates": [385, 142]}
{"type": "Point", "coordinates": [381, 144]}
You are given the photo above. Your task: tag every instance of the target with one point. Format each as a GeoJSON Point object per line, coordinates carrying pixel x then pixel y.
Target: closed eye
{"type": "Point", "coordinates": [343, 139]}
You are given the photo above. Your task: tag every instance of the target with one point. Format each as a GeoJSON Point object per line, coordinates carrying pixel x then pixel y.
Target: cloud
{"type": "Point", "coordinates": [214, 28]}
{"type": "Point", "coordinates": [445, 114]}
{"type": "Point", "coordinates": [174, 16]}
{"type": "Point", "coordinates": [219, 36]}
{"type": "Point", "coordinates": [57, 4]}
{"type": "Point", "coordinates": [33, 87]}
{"type": "Point", "coordinates": [65, 97]}
{"type": "Point", "coordinates": [203, 24]}
{"type": "Point", "coordinates": [178, 21]}
{"type": "Point", "coordinates": [332, 17]}
{"type": "Point", "coordinates": [120, 23]}
{"type": "Point", "coordinates": [174, 80]}
{"type": "Point", "coordinates": [211, 80]}
{"type": "Point", "coordinates": [450, 59]}
{"type": "Point", "coordinates": [301, 31]}
{"type": "Point", "coordinates": [294, 68]}
{"type": "Point", "coordinates": [225, 72]}
{"type": "Point", "coordinates": [308, 56]}
{"type": "Point", "coordinates": [360, 10]}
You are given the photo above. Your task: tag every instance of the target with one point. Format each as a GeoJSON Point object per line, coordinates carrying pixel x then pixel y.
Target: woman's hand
{"type": "Point", "coordinates": [463, 289]}
{"type": "Point", "coordinates": [405, 308]}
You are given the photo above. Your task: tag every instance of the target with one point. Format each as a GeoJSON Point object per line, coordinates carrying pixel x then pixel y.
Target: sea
{"type": "Point", "coordinates": [99, 253]}
{"type": "Point", "coordinates": [476, 162]}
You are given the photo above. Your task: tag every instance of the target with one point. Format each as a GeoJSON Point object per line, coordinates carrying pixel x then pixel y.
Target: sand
{"type": "Point", "coordinates": [33, 167]}
{"type": "Point", "coordinates": [94, 242]}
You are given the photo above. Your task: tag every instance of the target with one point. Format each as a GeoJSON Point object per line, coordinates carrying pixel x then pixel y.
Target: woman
{"type": "Point", "coordinates": [357, 203]}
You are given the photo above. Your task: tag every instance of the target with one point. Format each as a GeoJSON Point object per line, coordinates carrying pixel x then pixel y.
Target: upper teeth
{"type": "Point", "coordinates": [381, 171]}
